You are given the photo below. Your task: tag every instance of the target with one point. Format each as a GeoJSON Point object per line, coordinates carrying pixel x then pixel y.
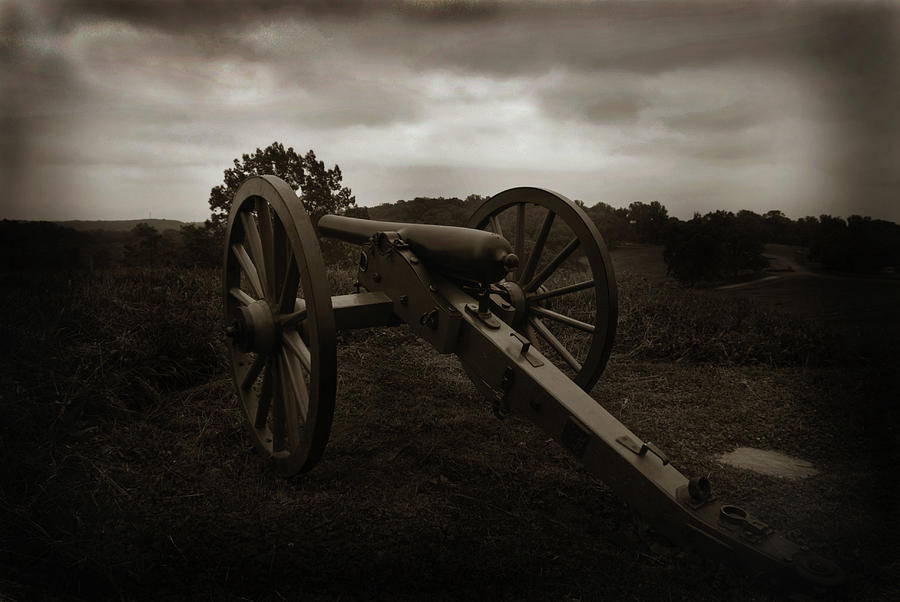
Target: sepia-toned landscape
{"type": "Point", "coordinates": [128, 471]}
{"type": "Point", "coordinates": [184, 184]}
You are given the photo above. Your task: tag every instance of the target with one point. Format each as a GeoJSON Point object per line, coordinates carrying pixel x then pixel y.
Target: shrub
{"type": "Point", "coordinates": [712, 247]}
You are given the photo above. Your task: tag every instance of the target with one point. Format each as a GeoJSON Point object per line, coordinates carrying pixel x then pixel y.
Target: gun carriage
{"type": "Point", "coordinates": [470, 292]}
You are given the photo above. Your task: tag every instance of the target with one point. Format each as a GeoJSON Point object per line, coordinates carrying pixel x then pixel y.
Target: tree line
{"type": "Point", "coordinates": [707, 248]}
{"type": "Point", "coordinates": [715, 246]}
{"type": "Point", "coordinates": [711, 247]}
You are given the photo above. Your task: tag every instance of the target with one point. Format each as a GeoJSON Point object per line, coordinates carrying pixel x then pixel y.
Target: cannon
{"type": "Point", "coordinates": [533, 335]}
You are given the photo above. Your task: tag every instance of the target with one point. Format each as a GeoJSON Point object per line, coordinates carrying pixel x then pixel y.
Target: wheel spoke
{"type": "Point", "coordinates": [564, 290]}
{"type": "Point", "coordinates": [532, 335]}
{"type": "Point", "coordinates": [278, 413]}
{"type": "Point", "coordinates": [251, 239]}
{"type": "Point", "coordinates": [266, 241]}
{"type": "Point", "coordinates": [288, 292]}
{"type": "Point", "coordinates": [265, 397]}
{"type": "Point", "coordinates": [249, 269]}
{"type": "Point", "coordinates": [280, 263]}
{"type": "Point", "coordinates": [554, 342]}
{"type": "Point", "coordinates": [291, 401]}
{"type": "Point", "coordinates": [495, 224]}
{"type": "Point", "coordinates": [295, 344]}
{"type": "Point", "coordinates": [242, 297]}
{"type": "Point", "coordinates": [520, 236]}
{"type": "Point", "coordinates": [538, 247]}
{"type": "Point", "coordinates": [293, 319]}
{"type": "Point", "coordinates": [255, 368]}
{"type": "Point", "coordinates": [548, 313]}
{"type": "Point", "coordinates": [554, 263]}
{"type": "Point", "coordinates": [298, 383]}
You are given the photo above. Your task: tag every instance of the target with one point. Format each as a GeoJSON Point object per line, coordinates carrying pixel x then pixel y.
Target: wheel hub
{"type": "Point", "coordinates": [256, 329]}
{"type": "Point", "coordinates": [508, 303]}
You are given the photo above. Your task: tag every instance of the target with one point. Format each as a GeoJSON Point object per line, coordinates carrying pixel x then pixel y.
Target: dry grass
{"type": "Point", "coordinates": [126, 471]}
{"type": "Point", "coordinates": [662, 320]}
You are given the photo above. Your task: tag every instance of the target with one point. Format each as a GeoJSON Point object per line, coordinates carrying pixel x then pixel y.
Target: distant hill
{"type": "Point", "coordinates": [426, 210]}
{"type": "Point", "coordinates": [122, 225]}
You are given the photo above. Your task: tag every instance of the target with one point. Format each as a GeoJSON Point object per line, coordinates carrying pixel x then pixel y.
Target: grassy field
{"type": "Point", "coordinates": [126, 471]}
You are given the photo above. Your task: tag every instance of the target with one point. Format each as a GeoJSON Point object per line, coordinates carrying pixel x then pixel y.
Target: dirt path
{"type": "Point", "coordinates": [783, 258]}
{"type": "Point", "coordinates": [858, 300]}
{"type": "Point", "coordinates": [784, 263]}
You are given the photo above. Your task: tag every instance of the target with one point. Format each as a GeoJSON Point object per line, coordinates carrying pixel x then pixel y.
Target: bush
{"type": "Point", "coordinates": [859, 244]}
{"type": "Point", "coordinates": [712, 247]}
{"type": "Point", "coordinates": [42, 245]}
{"type": "Point", "coordinates": [201, 246]}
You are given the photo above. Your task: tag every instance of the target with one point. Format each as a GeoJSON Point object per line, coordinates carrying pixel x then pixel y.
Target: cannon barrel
{"type": "Point", "coordinates": [461, 252]}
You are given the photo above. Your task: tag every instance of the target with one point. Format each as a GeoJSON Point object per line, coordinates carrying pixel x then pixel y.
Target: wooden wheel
{"type": "Point", "coordinates": [281, 323]}
{"type": "Point", "coordinates": [563, 293]}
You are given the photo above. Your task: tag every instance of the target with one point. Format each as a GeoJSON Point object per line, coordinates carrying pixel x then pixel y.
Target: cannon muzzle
{"type": "Point", "coordinates": [457, 252]}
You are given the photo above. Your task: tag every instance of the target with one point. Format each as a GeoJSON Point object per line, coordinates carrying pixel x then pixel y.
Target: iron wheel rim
{"type": "Point", "coordinates": [269, 227]}
{"type": "Point", "coordinates": [530, 276]}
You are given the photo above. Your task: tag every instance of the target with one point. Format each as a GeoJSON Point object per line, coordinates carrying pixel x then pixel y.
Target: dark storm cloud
{"type": "Point", "coordinates": [860, 50]}
{"type": "Point", "coordinates": [513, 38]}
{"type": "Point", "coordinates": [524, 38]}
{"type": "Point", "coordinates": [34, 88]}
{"type": "Point", "coordinates": [656, 83]}
{"type": "Point", "coordinates": [498, 38]}
{"type": "Point", "coordinates": [591, 99]}
{"type": "Point", "coordinates": [189, 16]}
{"type": "Point", "coordinates": [13, 131]}
{"type": "Point", "coordinates": [724, 149]}
{"type": "Point", "coordinates": [730, 118]}
{"type": "Point", "coordinates": [193, 15]}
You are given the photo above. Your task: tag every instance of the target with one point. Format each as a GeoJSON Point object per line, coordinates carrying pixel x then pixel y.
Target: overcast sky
{"type": "Point", "coordinates": [120, 109]}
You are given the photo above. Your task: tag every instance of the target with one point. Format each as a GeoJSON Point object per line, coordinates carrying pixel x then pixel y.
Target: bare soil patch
{"type": "Point", "coordinates": [769, 462]}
